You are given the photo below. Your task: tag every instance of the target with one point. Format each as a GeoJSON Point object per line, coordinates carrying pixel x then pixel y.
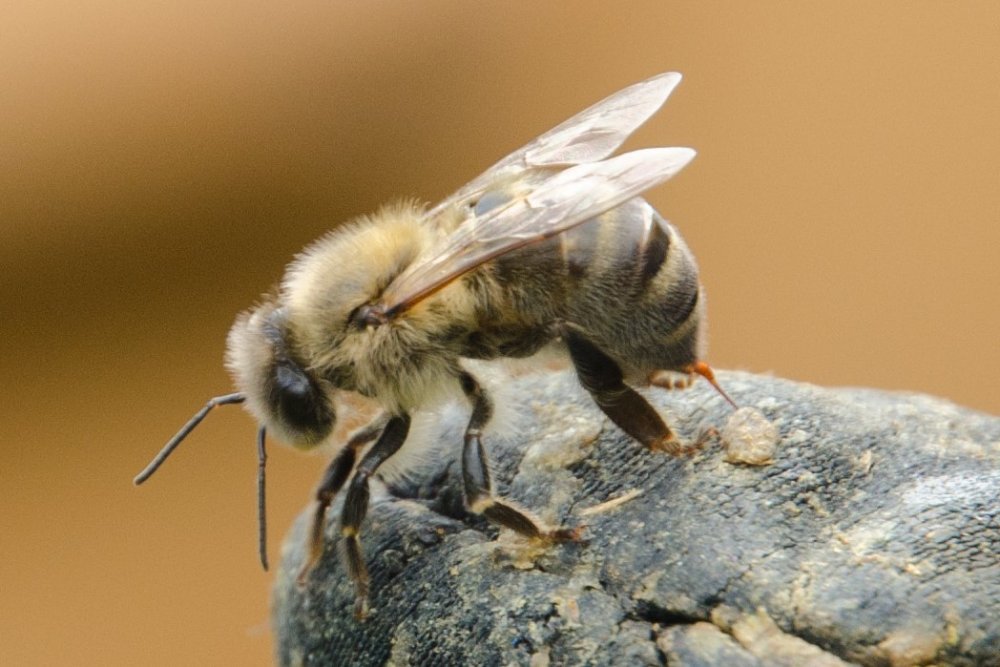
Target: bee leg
{"type": "Point", "coordinates": [356, 506]}
{"type": "Point", "coordinates": [602, 377]}
{"type": "Point", "coordinates": [333, 479]}
{"type": "Point", "coordinates": [476, 475]}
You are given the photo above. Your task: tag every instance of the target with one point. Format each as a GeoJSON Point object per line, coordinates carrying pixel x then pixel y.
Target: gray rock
{"type": "Point", "coordinates": [872, 538]}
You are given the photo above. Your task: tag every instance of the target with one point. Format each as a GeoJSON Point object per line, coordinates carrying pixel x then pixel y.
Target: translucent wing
{"type": "Point", "coordinates": [555, 204]}
{"type": "Point", "coordinates": [589, 136]}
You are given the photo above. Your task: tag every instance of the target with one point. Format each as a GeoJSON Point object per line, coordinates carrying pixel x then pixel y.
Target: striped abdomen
{"type": "Point", "coordinates": [625, 278]}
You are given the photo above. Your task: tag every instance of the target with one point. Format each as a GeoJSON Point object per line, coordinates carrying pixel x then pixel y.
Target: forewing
{"type": "Point", "coordinates": [566, 199]}
{"type": "Point", "coordinates": [589, 136]}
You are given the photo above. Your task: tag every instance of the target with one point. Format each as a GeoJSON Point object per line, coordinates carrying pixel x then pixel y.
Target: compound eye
{"type": "Point", "coordinates": [300, 403]}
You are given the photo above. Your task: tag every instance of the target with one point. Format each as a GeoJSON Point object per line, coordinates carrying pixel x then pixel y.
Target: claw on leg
{"type": "Point", "coordinates": [561, 535]}
{"type": "Point", "coordinates": [671, 445]}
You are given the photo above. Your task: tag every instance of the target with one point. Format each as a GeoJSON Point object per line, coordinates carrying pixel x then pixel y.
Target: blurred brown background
{"type": "Point", "coordinates": [160, 163]}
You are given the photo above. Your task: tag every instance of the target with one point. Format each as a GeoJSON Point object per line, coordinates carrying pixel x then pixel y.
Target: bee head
{"type": "Point", "coordinates": [286, 397]}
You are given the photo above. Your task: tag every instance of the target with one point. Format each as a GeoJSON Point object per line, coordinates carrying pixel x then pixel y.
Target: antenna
{"type": "Point", "coordinates": [172, 444]}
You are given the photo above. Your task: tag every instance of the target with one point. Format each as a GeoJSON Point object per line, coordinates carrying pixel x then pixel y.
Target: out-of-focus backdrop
{"type": "Point", "coordinates": [161, 162]}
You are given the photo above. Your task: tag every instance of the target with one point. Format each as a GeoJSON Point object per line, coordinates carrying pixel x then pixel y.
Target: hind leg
{"type": "Point", "coordinates": [603, 378]}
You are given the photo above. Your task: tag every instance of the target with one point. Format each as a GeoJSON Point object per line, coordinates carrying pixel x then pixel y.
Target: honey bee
{"type": "Point", "coordinates": [551, 245]}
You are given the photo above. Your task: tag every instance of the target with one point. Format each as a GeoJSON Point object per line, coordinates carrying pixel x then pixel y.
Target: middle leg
{"type": "Point", "coordinates": [476, 474]}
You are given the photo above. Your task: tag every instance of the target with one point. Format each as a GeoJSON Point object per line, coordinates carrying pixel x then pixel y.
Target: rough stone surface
{"type": "Point", "coordinates": [872, 538]}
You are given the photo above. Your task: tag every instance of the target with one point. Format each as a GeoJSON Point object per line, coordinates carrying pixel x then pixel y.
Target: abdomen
{"type": "Point", "coordinates": [625, 279]}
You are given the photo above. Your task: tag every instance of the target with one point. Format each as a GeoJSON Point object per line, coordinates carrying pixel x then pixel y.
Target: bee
{"type": "Point", "coordinates": [552, 245]}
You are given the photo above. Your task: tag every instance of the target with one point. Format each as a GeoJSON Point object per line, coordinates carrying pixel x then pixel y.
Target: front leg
{"type": "Point", "coordinates": [392, 437]}
{"type": "Point", "coordinates": [476, 475]}
{"type": "Point", "coordinates": [333, 479]}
